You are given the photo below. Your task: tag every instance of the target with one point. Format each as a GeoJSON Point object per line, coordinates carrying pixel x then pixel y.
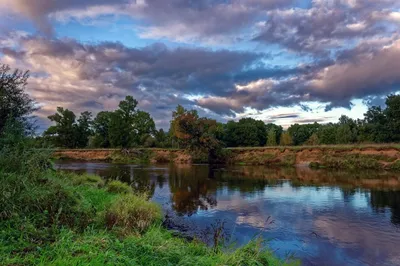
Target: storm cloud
{"type": "Point", "coordinates": [96, 76]}
{"type": "Point", "coordinates": [223, 58]}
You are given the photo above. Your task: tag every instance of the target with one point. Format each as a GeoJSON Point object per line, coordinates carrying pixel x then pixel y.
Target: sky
{"type": "Point", "coordinates": [280, 61]}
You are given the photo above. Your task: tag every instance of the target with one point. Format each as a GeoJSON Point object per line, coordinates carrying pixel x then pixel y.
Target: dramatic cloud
{"type": "Point", "coordinates": [365, 71]}
{"type": "Point", "coordinates": [181, 20]}
{"type": "Point", "coordinates": [39, 10]}
{"type": "Point", "coordinates": [329, 24]}
{"type": "Point", "coordinates": [329, 52]}
{"type": "Point", "coordinates": [83, 76]}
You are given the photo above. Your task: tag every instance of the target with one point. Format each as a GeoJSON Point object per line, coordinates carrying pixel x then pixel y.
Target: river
{"type": "Point", "coordinates": [320, 217]}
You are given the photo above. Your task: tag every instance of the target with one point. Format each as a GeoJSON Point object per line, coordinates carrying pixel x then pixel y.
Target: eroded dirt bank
{"type": "Point", "coordinates": [118, 155]}
{"type": "Point", "coordinates": [376, 157]}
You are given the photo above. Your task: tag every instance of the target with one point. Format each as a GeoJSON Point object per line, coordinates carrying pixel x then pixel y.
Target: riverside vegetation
{"type": "Point", "coordinates": [58, 218]}
{"type": "Point", "coordinates": [202, 138]}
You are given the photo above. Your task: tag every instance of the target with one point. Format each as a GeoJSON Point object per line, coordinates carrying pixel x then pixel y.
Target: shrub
{"type": "Point", "coordinates": [50, 201]}
{"type": "Point", "coordinates": [132, 213]}
{"type": "Point", "coordinates": [162, 157]}
{"type": "Point", "coordinates": [395, 165]}
{"type": "Point", "coordinates": [116, 186]}
{"type": "Point", "coordinates": [87, 179]}
{"type": "Point", "coordinates": [199, 156]}
{"type": "Point", "coordinates": [350, 161]}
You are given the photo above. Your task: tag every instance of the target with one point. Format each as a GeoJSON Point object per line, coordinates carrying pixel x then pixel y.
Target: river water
{"type": "Point", "coordinates": [320, 217]}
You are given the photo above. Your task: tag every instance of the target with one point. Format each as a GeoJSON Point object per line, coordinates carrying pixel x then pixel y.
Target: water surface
{"type": "Point", "coordinates": [319, 217]}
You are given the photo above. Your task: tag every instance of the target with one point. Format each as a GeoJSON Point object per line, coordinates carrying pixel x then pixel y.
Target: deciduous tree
{"type": "Point", "coordinates": [15, 103]}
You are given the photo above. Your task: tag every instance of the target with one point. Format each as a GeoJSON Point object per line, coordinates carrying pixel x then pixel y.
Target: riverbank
{"type": "Point", "coordinates": [385, 157]}
{"type": "Point", "coordinates": [58, 218]}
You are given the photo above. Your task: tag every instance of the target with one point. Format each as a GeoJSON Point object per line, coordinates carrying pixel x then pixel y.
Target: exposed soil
{"type": "Point", "coordinates": [383, 157]}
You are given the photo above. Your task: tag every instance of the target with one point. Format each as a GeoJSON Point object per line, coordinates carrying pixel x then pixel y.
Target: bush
{"type": "Point", "coordinates": [395, 165]}
{"type": "Point", "coordinates": [132, 213]}
{"type": "Point", "coordinates": [50, 201]}
{"type": "Point", "coordinates": [350, 161]}
{"type": "Point", "coordinates": [87, 179]}
{"type": "Point", "coordinates": [116, 186]}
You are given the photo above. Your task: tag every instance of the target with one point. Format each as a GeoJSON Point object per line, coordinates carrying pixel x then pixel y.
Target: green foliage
{"type": "Point", "coordinates": [286, 139]}
{"type": "Point", "coordinates": [278, 133]}
{"type": "Point", "coordinates": [350, 161]}
{"type": "Point", "coordinates": [15, 103]}
{"type": "Point", "coordinates": [101, 125]}
{"type": "Point", "coordinates": [313, 140]}
{"type": "Point", "coordinates": [129, 127]}
{"type": "Point", "coordinates": [271, 138]}
{"type": "Point", "coordinates": [116, 186]}
{"type": "Point", "coordinates": [64, 130]}
{"type": "Point", "coordinates": [301, 133]}
{"type": "Point", "coordinates": [247, 132]}
{"type": "Point", "coordinates": [87, 179]}
{"type": "Point", "coordinates": [122, 123]}
{"type": "Point", "coordinates": [135, 156]}
{"type": "Point", "coordinates": [17, 154]}
{"type": "Point", "coordinates": [58, 218]}
{"type": "Point", "coordinates": [198, 135]}
{"type": "Point", "coordinates": [395, 165]}
{"type": "Point", "coordinates": [132, 213]}
{"type": "Point", "coordinates": [327, 134]}
{"type": "Point", "coordinates": [156, 247]}
{"type": "Point", "coordinates": [67, 132]}
{"type": "Point", "coordinates": [162, 139]}
{"type": "Point", "coordinates": [392, 113]}
{"type": "Point", "coordinates": [83, 129]}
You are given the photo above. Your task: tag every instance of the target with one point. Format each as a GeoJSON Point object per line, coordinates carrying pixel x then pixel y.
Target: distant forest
{"type": "Point", "coordinates": [128, 127]}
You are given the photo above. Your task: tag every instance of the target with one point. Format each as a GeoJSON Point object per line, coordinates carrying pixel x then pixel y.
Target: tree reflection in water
{"type": "Point", "coordinates": [192, 189]}
{"type": "Point", "coordinates": [195, 187]}
{"type": "Point", "coordinates": [381, 200]}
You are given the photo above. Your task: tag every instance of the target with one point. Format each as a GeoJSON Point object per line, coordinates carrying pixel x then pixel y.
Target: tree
{"type": "Point", "coordinates": [101, 127]}
{"type": "Point", "coordinates": [286, 139]}
{"type": "Point", "coordinates": [15, 103]}
{"type": "Point", "coordinates": [64, 129]}
{"type": "Point", "coordinates": [195, 133]}
{"type": "Point", "coordinates": [376, 125]}
{"type": "Point", "coordinates": [346, 131]}
{"type": "Point", "coordinates": [183, 125]}
{"type": "Point", "coordinates": [271, 138]}
{"type": "Point", "coordinates": [392, 113]}
{"type": "Point", "coordinates": [143, 127]}
{"type": "Point", "coordinates": [313, 140]}
{"type": "Point", "coordinates": [247, 132]}
{"type": "Point", "coordinates": [121, 127]}
{"type": "Point", "coordinates": [301, 133]}
{"type": "Point", "coordinates": [278, 131]}
{"type": "Point", "coordinates": [83, 129]}
{"type": "Point", "coordinates": [327, 133]}
{"type": "Point", "coordinates": [162, 139]}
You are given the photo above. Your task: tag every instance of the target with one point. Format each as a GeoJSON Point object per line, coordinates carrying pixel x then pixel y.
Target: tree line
{"type": "Point", "coordinates": [128, 127]}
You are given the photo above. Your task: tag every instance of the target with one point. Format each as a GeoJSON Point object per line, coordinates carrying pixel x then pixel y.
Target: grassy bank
{"type": "Point", "coordinates": [56, 218]}
{"type": "Point", "coordinates": [380, 157]}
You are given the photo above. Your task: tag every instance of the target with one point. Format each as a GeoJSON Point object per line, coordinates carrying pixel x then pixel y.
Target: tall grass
{"type": "Point", "coordinates": [132, 213]}
{"type": "Point", "coordinates": [116, 186]}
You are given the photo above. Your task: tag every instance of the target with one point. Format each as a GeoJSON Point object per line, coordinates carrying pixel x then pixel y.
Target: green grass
{"type": "Point", "coordinates": [57, 218]}
{"type": "Point", "coordinates": [338, 147]}
{"type": "Point", "coordinates": [132, 213]}
{"type": "Point", "coordinates": [86, 179]}
{"type": "Point", "coordinates": [116, 186]}
{"type": "Point", "coordinates": [155, 247]}
{"type": "Point", "coordinates": [353, 161]}
{"type": "Point", "coordinates": [135, 156]}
